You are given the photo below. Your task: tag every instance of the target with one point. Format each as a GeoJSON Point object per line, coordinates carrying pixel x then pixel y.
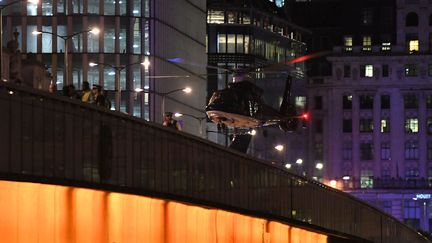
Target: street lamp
{"type": "Point", "coordinates": [1, 29]}
{"type": "Point", "coordinates": [187, 90]}
{"type": "Point", "coordinates": [118, 70]}
{"type": "Point", "coordinates": [199, 119]}
{"type": "Point", "coordinates": [66, 39]}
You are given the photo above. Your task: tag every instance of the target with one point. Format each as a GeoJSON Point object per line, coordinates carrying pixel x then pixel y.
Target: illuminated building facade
{"type": "Point", "coordinates": [249, 35]}
{"type": "Point", "coordinates": [371, 113]}
{"type": "Point", "coordinates": [131, 32]}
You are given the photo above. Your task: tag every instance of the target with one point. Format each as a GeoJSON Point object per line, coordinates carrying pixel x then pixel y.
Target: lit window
{"type": "Point", "coordinates": [280, 3]}
{"type": "Point", "coordinates": [348, 42]}
{"type": "Point", "coordinates": [367, 43]}
{"type": "Point", "coordinates": [385, 125]}
{"type": "Point", "coordinates": [386, 46]}
{"type": "Point", "coordinates": [215, 17]}
{"type": "Point", "coordinates": [221, 43]}
{"type": "Point", "coordinates": [413, 46]}
{"type": "Point", "coordinates": [366, 179]}
{"type": "Point", "coordinates": [366, 70]}
{"type": "Point", "coordinates": [411, 125]}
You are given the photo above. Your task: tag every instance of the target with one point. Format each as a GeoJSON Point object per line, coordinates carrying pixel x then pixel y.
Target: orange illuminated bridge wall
{"type": "Point", "coordinates": [31, 212]}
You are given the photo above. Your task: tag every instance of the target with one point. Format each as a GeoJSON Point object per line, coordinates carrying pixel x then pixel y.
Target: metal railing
{"type": "Point", "coordinates": [46, 137]}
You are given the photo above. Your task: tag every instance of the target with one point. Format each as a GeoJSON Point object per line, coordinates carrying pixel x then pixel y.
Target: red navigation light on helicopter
{"type": "Point", "coordinates": [305, 119]}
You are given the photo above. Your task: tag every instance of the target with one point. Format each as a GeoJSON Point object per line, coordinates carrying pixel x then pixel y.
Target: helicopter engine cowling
{"type": "Point", "coordinates": [289, 125]}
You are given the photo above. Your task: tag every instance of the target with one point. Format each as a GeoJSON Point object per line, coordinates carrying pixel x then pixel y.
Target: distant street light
{"type": "Point", "coordinates": [1, 29]}
{"type": "Point", "coordinates": [199, 119]}
{"type": "Point", "coordinates": [66, 39]}
{"type": "Point", "coordinates": [279, 147]}
{"type": "Point", "coordinates": [146, 89]}
{"type": "Point", "coordinates": [118, 70]}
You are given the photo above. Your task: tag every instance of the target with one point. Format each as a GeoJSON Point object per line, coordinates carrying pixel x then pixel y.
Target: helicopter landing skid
{"type": "Point", "coordinates": [233, 120]}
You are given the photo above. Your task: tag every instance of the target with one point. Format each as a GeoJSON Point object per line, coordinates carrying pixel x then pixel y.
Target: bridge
{"type": "Point", "coordinates": [74, 172]}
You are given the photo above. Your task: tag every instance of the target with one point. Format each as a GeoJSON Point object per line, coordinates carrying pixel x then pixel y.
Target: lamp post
{"type": "Point", "coordinates": [199, 119]}
{"type": "Point", "coordinates": [118, 70]}
{"type": "Point", "coordinates": [66, 39]}
{"type": "Point", "coordinates": [2, 7]}
{"type": "Point", "coordinates": [146, 89]}
{"type": "Point", "coordinates": [187, 90]}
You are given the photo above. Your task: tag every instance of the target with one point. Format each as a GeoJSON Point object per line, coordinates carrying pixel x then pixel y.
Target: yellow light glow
{"type": "Point", "coordinates": [32, 212]}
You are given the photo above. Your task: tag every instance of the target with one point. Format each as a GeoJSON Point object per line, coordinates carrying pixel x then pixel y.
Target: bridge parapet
{"type": "Point", "coordinates": [53, 139]}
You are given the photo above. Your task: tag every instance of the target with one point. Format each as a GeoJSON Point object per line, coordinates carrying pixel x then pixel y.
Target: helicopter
{"type": "Point", "coordinates": [241, 106]}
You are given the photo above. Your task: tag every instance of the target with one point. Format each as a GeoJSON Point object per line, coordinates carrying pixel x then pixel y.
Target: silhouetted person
{"type": "Point", "coordinates": [52, 88]}
{"type": "Point", "coordinates": [170, 122]}
{"type": "Point", "coordinates": [69, 91]}
{"type": "Point", "coordinates": [98, 96]}
{"type": "Point", "coordinates": [86, 94]}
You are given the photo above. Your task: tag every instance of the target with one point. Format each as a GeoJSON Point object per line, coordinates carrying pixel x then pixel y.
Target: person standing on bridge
{"type": "Point", "coordinates": [170, 122]}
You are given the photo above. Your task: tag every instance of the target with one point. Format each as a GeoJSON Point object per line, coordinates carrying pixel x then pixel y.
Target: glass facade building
{"type": "Point", "coordinates": [125, 40]}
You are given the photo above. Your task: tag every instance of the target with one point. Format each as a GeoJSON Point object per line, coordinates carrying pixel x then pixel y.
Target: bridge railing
{"type": "Point", "coordinates": [50, 138]}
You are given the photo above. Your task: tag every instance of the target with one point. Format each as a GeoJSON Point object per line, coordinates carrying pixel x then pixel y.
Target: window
{"type": "Point", "coordinates": [385, 70]}
{"type": "Point", "coordinates": [318, 151]}
{"type": "Point", "coordinates": [411, 150]}
{"type": "Point", "coordinates": [347, 126]}
{"type": "Point", "coordinates": [367, 15]}
{"type": "Point", "coordinates": [221, 43]}
{"type": "Point", "coordinates": [385, 125]}
{"type": "Point", "coordinates": [348, 42]}
{"type": "Point", "coordinates": [366, 179]}
{"type": "Point", "coordinates": [385, 151]}
{"type": "Point", "coordinates": [318, 102]}
{"type": "Point", "coordinates": [215, 17]}
{"type": "Point", "coordinates": [412, 173]}
{"type": "Point", "coordinates": [366, 125]}
{"type": "Point", "coordinates": [412, 213]}
{"type": "Point", "coordinates": [347, 102]}
{"type": "Point", "coordinates": [411, 125]}
{"type": "Point", "coordinates": [411, 70]}
{"type": "Point", "coordinates": [385, 101]}
{"type": "Point", "coordinates": [366, 70]}
{"type": "Point", "coordinates": [429, 150]}
{"type": "Point", "coordinates": [318, 126]}
{"type": "Point", "coordinates": [366, 101]}
{"type": "Point", "coordinates": [411, 19]}
{"type": "Point", "coordinates": [367, 43]}
{"type": "Point", "coordinates": [429, 101]}
{"type": "Point", "coordinates": [410, 101]}
{"type": "Point", "coordinates": [231, 47]}
{"type": "Point", "coordinates": [386, 46]}
{"type": "Point", "coordinates": [347, 71]}
{"type": "Point", "coordinates": [347, 150]}
{"type": "Point", "coordinates": [429, 125]}
{"type": "Point", "coordinates": [412, 42]}
{"type": "Point", "coordinates": [366, 151]}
